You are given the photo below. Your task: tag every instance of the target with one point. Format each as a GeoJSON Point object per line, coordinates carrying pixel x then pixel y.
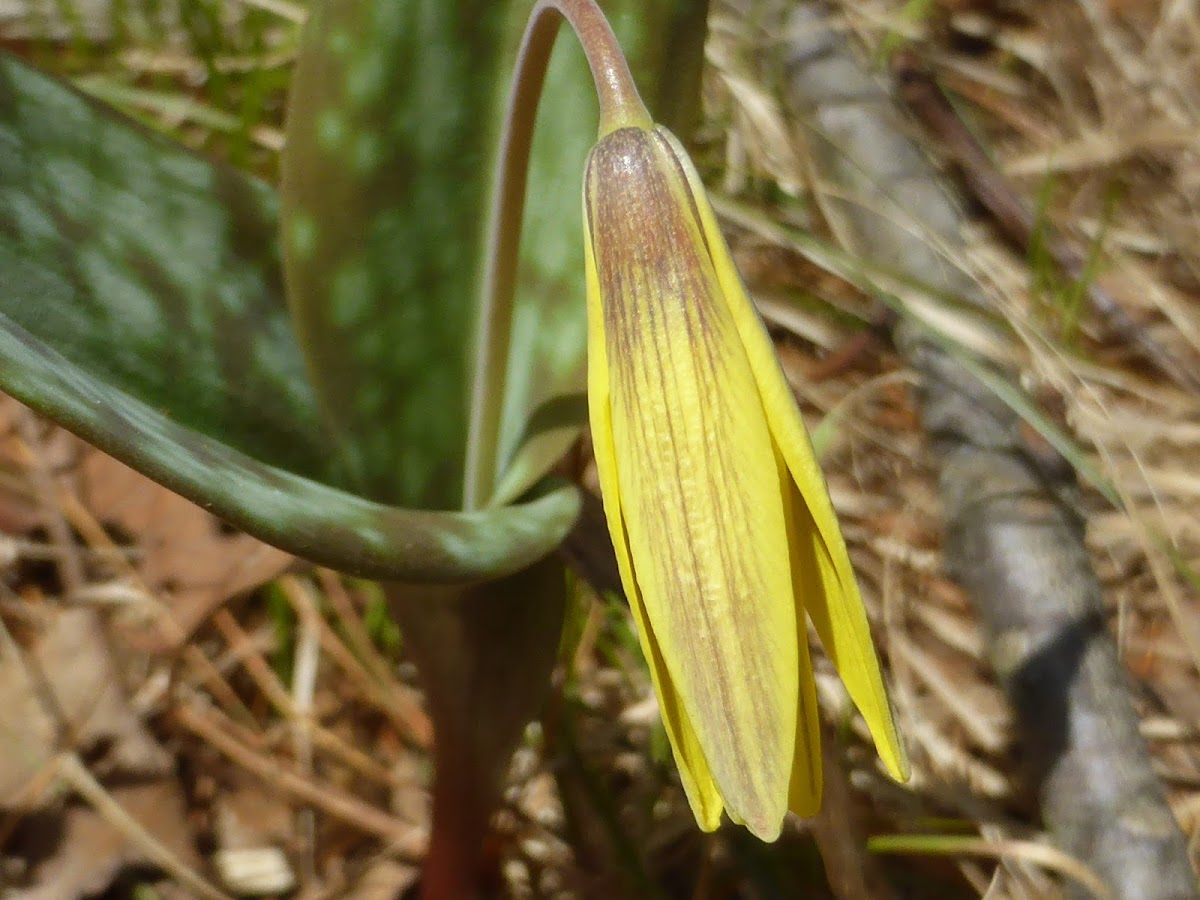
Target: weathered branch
{"type": "Point", "coordinates": [1014, 538]}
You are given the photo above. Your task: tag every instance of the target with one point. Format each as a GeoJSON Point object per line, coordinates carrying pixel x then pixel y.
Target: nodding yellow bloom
{"type": "Point", "coordinates": [719, 514]}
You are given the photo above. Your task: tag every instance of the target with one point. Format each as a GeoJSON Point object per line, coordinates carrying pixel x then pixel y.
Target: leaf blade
{"type": "Point", "coordinates": [545, 382]}
{"type": "Point", "coordinates": [299, 515]}
{"type": "Point", "coordinates": [383, 183]}
{"type": "Point", "coordinates": [376, 254]}
{"type": "Point", "coordinates": [150, 268]}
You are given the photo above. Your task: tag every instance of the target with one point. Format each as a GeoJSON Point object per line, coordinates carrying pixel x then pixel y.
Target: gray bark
{"type": "Point", "coordinates": [1014, 536]}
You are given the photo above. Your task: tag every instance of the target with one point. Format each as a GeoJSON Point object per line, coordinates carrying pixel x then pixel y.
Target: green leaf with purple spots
{"type": "Point", "coordinates": [150, 269]}
{"type": "Point", "coordinates": [305, 517]}
{"type": "Point", "coordinates": [140, 306]}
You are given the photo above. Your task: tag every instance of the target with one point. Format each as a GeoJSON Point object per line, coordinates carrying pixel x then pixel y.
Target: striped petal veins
{"type": "Point", "coordinates": [697, 484]}
{"type": "Point", "coordinates": [718, 511]}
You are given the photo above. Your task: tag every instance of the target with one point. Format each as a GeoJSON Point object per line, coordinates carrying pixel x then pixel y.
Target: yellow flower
{"type": "Point", "coordinates": [719, 514]}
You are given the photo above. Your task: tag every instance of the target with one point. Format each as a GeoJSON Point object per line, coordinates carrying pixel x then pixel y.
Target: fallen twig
{"type": "Point", "coordinates": [406, 840]}
{"type": "Point", "coordinates": [74, 773]}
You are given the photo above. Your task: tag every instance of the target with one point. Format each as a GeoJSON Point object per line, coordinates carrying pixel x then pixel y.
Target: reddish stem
{"type": "Point", "coordinates": [620, 106]}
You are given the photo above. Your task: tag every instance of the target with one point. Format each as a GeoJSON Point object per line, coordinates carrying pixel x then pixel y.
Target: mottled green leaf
{"type": "Point", "coordinates": [384, 182]}
{"type": "Point", "coordinates": [302, 516]}
{"type": "Point", "coordinates": [140, 307]}
{"type": "Point", "coordinates": [150, 269]}
{"type": "Point", "coordinates": [396, 107]}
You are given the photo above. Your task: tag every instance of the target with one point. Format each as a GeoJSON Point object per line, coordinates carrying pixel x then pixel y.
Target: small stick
{"type": "Point", "coordinates": [408, 841]}
{"type": "Point", "coordinates": [920, 91]}
{"type": "Point", "coordinates": [72, 771]}
{"type": "Point", "coordinates": [620, 106]}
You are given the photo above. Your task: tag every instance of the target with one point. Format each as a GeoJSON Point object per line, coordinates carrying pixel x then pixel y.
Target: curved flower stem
{"type": "Point", "coordinates": [620, 106]}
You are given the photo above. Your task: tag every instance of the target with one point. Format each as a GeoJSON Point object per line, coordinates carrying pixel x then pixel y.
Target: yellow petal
{"type": "Point", "coordinates": [804, 790]}
{"type": "Point", "coordinates": [695, 470]}
{"type": "Point", "coordinates": [804, 793]}
{"type": "Point", "coordinates": [698, 783]}
{"type": "Point", "coordinates": [833, 601]}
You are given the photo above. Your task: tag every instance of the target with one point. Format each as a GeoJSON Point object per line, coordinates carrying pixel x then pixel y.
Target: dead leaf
{"type": "Point", "coordinates": [386, 880]}
{"type": "Point", "coordinates": [62, 691]}
{"type": "Point", "coordinates": [248, 815]}
{"type": "Point", "coordinates": [189, 558]}
{"type": "Point", "coordinates": [90, 851]}
{"type": "Point", "coordinates": [252, 824]}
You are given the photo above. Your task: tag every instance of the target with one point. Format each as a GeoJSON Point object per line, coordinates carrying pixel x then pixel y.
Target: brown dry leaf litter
{"type": "Point", "coordinates": [296, 740]}
{"type": "Point", "coordinates": [1118, 408]}
{"type": "Point", "coordinates": [190, 562]}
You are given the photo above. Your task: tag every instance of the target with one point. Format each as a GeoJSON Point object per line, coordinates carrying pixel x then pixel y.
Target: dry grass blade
{"type": "Point", "coordinates": [298, 699]}
{"type": "Point", "coordinates": [1013, 538]}
{"type": "Point", "coordinates": [404, 839]}
{"type": "Point", "coordinates": [1026, 851]}
{"type": "Point", "coordinates": [383, 690]}
{"type": "Point", "coordinates": [70, 567]}
{"type": "Point", "coordinates": [923, 95]}
{"type": "Point", "coordinates": [304, 683]}
{"type": "Point", "coordinates": [74, 773]}
{"type": "Point", "coordinates": [291, 12]}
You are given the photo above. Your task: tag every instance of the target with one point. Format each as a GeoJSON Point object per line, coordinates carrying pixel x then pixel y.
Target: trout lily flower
{"type": "Point", "coordinates": [723, 527]}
